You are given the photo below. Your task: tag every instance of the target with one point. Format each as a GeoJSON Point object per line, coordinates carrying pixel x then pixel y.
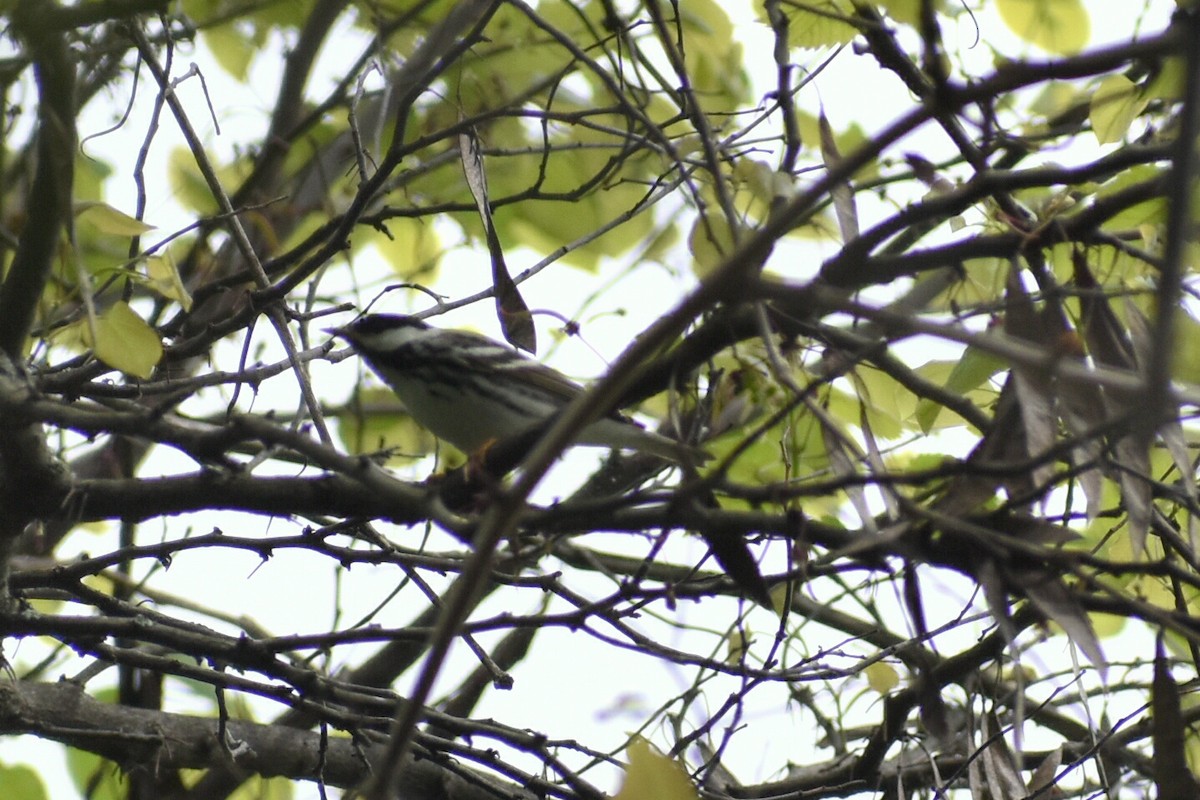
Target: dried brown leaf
{"type": "Point", "coordinates": [843, 463]}
{"type": "Point", "coordinates": [1052, 597]}
{"type": "Point", "coordinates": [1042, 778]}
{"type": "Point", "coordinates": [1036, 530]}
{"type": "Point", "coordinates": [843, 196]}
{"type": "Point", "coordinates": [1003, 444]}
{"type": "Point", "coordinates": [1171, 773]}
{"type": "Point", "coordinates": [1111, 346]}
{"type": "Point", "coordinates": [995, 592]}
{"type": "Point", "coordinates": [999, 763]}
{"type": "Point", "coordinates": [1034, 386]}
{"type": "Point", "coordinates": [516, 323]}
{"type": "Point", "coordinates": [1104, 334]}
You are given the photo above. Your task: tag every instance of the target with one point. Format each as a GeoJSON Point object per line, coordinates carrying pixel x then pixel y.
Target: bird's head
{"type": "Point", "coordinates": [381, 333]}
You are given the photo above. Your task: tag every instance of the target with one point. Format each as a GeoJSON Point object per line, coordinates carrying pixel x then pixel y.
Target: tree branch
{"type": "Point", "coordinates": [156, 741]}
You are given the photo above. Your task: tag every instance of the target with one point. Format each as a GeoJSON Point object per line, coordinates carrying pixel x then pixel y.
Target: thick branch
{"type": "Point", "coordinates": [140, 499]}
{"type": "Point", "coordinates": [155, 740]}
{"type": "Point", "coordinates": [49, 203]}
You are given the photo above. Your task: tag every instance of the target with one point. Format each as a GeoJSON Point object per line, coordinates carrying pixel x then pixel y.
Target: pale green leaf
{"type": "Point", "coordinates": [124, 341]}
{"type": "Point", "coordinates": [757, 186]}
{"type": "Point", "coordinates": [192, 189]}
{"type": "Point", "coordinates": [781, 595]}
{"type": "Point", "coordinates": [233, 50]}
{"type": "Point", "coordinates": [1168, 83]}
{"type": "Point", "coordinates": [375, 421]}
{"type": "Point", "coordinates": [1153, 211]}
{"type": "Point", "coordinates": [94, 777]}
{"type": "Point", "coordinates": [889, 407]}
{"type": "Point", "coordinates": [546, 226]}
{"type": "Point", "coordinates": [164, 279]}
{"type": "Point", "coordinates": [881, 677]}
{"type": "Point", "coordinates": [710, 242]}
{"type": "Point", "coordinates": [414, 248]}
{"type": "Point", "coordinates": [737, 645]}
{"type": "Point", "coordinates": [661, 246]}
{"type": "Point", "coordinates": [107, 219]}
{"type": "Point", "coordinates": [1055, 98]}
{"type": "Point", "coordinates": [968, 373]}
{"type": "Point", "coordinates": [818, 23]}
{"type": "Point", "coordinates": [90, 175]}
{"type": "Point", "coordinates": [905, 11]}
{"type": "Point", "coordinates": [1186, 358]}
{"type": "Point", "coordinates": [22, 783]}
{"type": "Point", "coordinates": [187, 184]}
{"type": "Point", "coordinates": [1057, 26]}
{"type": "Point", "coordinates": [653, 776]}
{"type": "Point", "coordinates": [715, 57]}
{"type": "Point", "coordinates": [260, 788]}
{"type": "Point", "coordinates": [1116, 103]}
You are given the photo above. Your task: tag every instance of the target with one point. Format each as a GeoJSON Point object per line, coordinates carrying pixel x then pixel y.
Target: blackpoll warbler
{"type": "Point", "coordinates": [471, 391]}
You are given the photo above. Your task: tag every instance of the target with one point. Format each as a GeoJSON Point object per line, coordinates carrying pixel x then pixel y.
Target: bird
{"type": "Point", "coordinates": [472, 391]}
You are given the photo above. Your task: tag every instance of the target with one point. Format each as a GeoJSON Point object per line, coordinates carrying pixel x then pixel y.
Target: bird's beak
{"type": "Point", "coordinates": [340, 333]}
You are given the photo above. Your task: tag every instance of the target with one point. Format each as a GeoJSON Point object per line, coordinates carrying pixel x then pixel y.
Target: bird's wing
{"type": "Point", "coordinates": [558, 385]}
{"type": "Point", "coordinates": [550, 380]}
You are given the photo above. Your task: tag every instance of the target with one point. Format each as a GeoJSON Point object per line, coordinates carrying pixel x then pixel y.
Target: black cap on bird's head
{"type": "Point", "coordinates": [379, 331]}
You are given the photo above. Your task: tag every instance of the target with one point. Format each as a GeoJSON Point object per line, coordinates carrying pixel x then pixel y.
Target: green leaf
{"type": "Point", "coordinates": [187, 183]}
{"type": "Point", "coordinates": [21, 782]}
{"type": "Point", "coordinates": [90, 175]}
{"type": "Point", "coordinates": [654, 776]}
{"type": "Point", "coordinates": [1116, 103]}
{"type": "Point", "coordinates": [190, 186]}
{"type": "Point", "coordinates": [94, 777]}
{"type": "Point", "coordinates": [759, 185]}
{"type": "Point", "coordinates": [737, 645]}
{"type": "Point", "coordinates": [907, 12]}
{"type": "Point", "coordinates": [546, 226]}
{"type": "Point", "coordinates": [1168, 83]}
{"type": "Point", "coordinates": [889, 407]}
{"type": "Point", "coordinates": [798, 436]}
{"type": "Point", "coordinates": [164, 278]}
{"type": "Point", "coordinates": [123, 340]}
{"type": "Point", "coordinates": [715, 57]}
{"type": "Point", "coordinates": [499, 71]}
{"type": "Point", "coordinates": [233, 49]}
{"type": "Point", "coordinates": [414, 248]}
{"type": "Point", "coordinates": [710, 242]}
{"type": "Point", "coordinates": [881, 677]}
{"type": "Point", "coordinates": [968, 373]}
{"type": "Point", "coordinates": [107, 219]}
{"type": "Point", "coordinates": [375, 421]}
{"type": "Point", "coordinates": [660, 247]}
{"type": "Point", "coordinates": [1153, 211]}
{"type": "Point", "coordinates": [260, 788]}
{"type": "Point", "coordinates": [1186, 358]}
{"type": "Point", "coordinates": [1061, 27]}
{"type": "Point", "coordinates": [1054, 98]}
{"type": "Point", "coordinates": [819, 23]}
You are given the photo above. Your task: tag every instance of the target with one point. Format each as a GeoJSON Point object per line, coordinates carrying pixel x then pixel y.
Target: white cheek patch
{"type": "Point", "coordinates": [397, 337]}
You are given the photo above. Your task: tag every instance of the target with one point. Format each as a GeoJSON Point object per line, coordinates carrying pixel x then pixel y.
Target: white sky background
{"type": "Point", "coordinates": [554, 692]}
